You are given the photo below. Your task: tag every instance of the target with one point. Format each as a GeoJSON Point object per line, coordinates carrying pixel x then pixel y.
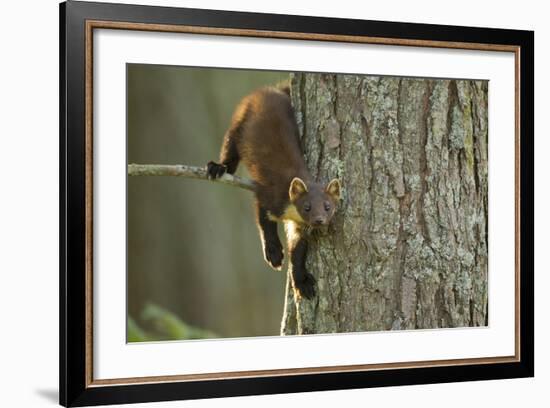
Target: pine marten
{"type": "Point", "coordinates": [264, 135]}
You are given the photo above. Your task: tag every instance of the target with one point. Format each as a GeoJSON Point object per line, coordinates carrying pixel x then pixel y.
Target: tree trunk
{"type": "Point", "coordinates": [407, 248]}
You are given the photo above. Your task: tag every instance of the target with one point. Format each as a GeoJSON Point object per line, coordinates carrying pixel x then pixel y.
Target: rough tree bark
{"type": "Point", "coordinates": [408, 246]}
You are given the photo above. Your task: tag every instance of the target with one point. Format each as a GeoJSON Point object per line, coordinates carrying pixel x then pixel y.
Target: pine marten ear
{"type": "Point", "coordinates": [297, 188]}
{"type": "Point", "coordinates": [334, 189]}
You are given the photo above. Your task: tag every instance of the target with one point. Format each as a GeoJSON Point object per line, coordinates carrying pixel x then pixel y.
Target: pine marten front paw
{"type": "Point", "coordinates": [215, 170]}
{"type": "Point", "coordinates": [273, 255]}
{"type": "Point", "coordinates": [306, 287]}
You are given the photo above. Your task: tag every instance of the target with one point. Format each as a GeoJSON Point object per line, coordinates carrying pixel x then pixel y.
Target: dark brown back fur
{"type": "Point", "coordinates": [268, 144]}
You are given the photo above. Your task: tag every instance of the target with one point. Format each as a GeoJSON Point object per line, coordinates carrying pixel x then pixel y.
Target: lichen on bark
{"type": "Point", "coordinates": [408, 246]}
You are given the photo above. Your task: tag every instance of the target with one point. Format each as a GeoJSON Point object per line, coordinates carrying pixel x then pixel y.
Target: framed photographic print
{"type": "Point", "coordinates": [255, 203]}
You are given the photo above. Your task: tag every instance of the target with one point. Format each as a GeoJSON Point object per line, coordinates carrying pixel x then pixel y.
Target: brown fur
{"type": "Point", "coordinates": [264, 135]}
{"type": "Point", "coordinates": [268, 145]}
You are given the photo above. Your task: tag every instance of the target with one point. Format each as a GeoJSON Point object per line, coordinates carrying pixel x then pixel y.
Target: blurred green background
{"type": "Point", "coordinates": [195, 265]}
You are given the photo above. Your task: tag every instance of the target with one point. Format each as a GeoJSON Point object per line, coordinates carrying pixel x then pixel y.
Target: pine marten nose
{"type": "Point", "coordinates": [319, 221]}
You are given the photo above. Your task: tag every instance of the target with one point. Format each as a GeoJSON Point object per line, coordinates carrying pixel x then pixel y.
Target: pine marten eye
{"type": "Point", "coordinates": [327, 207]}
{"type": "Point", "coordinates": [307, 207]}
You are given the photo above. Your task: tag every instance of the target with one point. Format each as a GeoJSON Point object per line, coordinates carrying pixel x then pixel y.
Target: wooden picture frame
{"type": "Point", "coordinates": [78, 20]}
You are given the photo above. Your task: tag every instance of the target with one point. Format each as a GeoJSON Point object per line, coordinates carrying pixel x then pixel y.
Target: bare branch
{"type": "Point", "coordinates": [181, 170]}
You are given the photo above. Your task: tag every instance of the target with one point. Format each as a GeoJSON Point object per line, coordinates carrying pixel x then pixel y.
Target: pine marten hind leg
{"type": "Point", "coordinates": [229, 158]}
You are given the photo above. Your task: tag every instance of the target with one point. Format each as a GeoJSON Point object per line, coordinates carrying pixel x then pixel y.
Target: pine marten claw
{"type": "Point", "coordinates": [306, 287]}
{"type": "Point", "coordinates": [215, 170]}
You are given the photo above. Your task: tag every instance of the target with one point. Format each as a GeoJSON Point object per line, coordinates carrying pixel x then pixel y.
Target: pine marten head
{"type": "Point", "coordinates": [314, 202]}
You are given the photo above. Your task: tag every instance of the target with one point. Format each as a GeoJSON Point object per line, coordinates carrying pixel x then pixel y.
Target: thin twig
{"type": "Point", "coordinates": [182, 170]}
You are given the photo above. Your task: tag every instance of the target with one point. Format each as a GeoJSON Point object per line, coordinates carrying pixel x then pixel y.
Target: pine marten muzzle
{"type": "Point", "coordinates": [264, 135]}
